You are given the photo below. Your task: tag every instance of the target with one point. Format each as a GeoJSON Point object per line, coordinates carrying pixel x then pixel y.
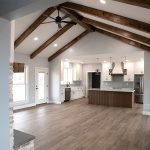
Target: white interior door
{"type": "Point", "coordinates": [41, 85]}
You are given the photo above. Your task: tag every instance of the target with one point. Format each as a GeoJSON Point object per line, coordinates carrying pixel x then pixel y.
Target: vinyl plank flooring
{"type": "Point", "coordinates": [76, 125]}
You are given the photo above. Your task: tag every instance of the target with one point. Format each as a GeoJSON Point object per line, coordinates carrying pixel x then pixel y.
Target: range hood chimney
{"type": "Point", "coordinates": [117, 69]}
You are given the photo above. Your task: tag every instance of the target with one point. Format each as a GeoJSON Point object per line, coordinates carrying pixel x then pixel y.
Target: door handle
{"type": "Point", "coordinates": [36, 87]}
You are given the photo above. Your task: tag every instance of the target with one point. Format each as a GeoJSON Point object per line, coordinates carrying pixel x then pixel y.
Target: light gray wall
{"type": "Point", "coordinates": [5, 48]}
{"type": "Point", "coordinates": [146, 83]}
{"type": "Point", "coordinates": [32, 64]}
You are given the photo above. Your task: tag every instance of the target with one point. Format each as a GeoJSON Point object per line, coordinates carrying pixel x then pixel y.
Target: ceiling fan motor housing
{"type": "Point", "coordinates": [58, 19]}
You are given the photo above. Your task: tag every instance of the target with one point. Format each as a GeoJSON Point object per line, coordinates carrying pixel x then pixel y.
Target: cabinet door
{"type": "Point", "coordinates": [105, 72]}
{"type": "Point", "coordinates": [139, 67]}
{"type": "Point", "coordinates": [130, 72]}
{"type": "Point", "coordinates": [77, 72]}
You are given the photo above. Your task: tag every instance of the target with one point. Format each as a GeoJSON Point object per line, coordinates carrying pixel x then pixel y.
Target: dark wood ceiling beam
{"type": "Point", "coordinates": [68, 45]}
{"type": "Point", "coordinates": [118, 31]}
{"type": "Point", "coordinates": [122, 39]}
{"type": "Point", "coordinates": [141, 3]}
{"type": "Point", "coordinates": [50, 40]}
{"type": "Point", "coordinates": [77, 18]}
{"type": "Point", "coordinates": [142, 26]}
{"type": "Point", "coordinates": [33, 26]}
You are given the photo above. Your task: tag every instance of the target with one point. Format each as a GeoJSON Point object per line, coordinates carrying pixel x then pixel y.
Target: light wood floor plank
{"type": "Point", "coordinates": [79, 126]}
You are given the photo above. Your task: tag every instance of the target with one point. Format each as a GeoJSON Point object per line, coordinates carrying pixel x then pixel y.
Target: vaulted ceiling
{"type": "Point", "coordinates": [124, 21]}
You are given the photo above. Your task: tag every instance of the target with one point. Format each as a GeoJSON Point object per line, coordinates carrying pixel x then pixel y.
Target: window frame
{"type": "Point", "coordinates": [26, 68]}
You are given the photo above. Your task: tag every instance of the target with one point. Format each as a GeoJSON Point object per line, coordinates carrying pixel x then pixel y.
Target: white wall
{"type": "Point", "coordinates": [5, 49]}
{"type": "Point", "coordinates": [146, 110]}
{"type": "Point", "coordinates": [31, 63]}
{"type": "Point", "coordinates": [55, 79]}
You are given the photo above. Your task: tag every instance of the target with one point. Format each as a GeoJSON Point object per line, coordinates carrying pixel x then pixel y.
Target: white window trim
{"type": "Point", "coordinates": [26, 88]}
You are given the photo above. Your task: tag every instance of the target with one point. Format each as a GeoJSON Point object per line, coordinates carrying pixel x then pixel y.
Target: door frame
{"type": "Point", "coordinates": [37, 69]}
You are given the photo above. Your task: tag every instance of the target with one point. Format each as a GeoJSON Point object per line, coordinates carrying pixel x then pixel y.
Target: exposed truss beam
{"type": "Point", "coordinates": [50, 40]}
{"type": "Point", "coordinates": [141, 3]}
{"type": "Point", "coordinates": [68, 45]}
{"type": "Point", "coordinates": [33, 26]}
{"type": "Point", "coordinates": [77, 18]}
{"type": "Point", "coordinates": [118, 31]}
{"type": "Point", "coordinates": [142, 26]}
{"type": "Point", "coordinates": [122, 39]}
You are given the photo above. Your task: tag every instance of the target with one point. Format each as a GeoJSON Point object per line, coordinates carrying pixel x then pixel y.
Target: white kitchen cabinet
{"type": "Point", "coordinates": [130, 72]}
{"type": "Point", "coordinates": [105, 72]}
{"type": "Point", "coordinates": [77, 92]}
{"type": "Point", "coordinates": [62, 94]}
{"type": "Point", "coordinates": [139, 67]}
{"type": "Point", "coordinates": [77, 72]}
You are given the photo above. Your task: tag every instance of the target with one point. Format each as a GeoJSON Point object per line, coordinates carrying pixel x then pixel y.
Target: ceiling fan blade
{"type": "Point", "coordinates": [51, 17]}
{"type": "Point", "coordinates": [68, 22]}
{"type": "Point", "coordinates": [47, 22]}
{"type": "Point", "coordinates": [64, 17]}
{"type": "Point", "coordinates": [59, 26]}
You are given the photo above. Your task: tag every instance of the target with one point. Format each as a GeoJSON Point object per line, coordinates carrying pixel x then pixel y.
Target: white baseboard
{"type": "Point", "coordinates": [54, 102]}
{"type": "Point", "coordinates": [24, 106]}
{"type": "Point", "coordinates": [146, 109]}
{"type": "Point", "coordinates": [146, 113]}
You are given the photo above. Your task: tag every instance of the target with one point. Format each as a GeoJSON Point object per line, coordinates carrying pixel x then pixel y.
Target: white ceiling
{"type": "Point", "coordinates": [45, 31]}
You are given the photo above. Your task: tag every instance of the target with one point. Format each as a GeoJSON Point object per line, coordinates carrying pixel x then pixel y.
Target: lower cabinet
{"type": "Point", "coordinates": [76, 93]}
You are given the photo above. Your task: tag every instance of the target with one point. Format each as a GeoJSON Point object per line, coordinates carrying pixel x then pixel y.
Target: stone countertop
{"type": "Point", "coordinates": [113, 90]}
{"type": "Point", "coordinates": [21, 138]}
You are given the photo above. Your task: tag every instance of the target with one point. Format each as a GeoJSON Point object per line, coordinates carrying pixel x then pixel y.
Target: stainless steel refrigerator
{"type": "Point", "coordinates": [139, 88]}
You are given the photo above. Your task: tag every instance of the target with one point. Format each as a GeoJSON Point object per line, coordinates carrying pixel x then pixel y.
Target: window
{"type": "Point", "coordinates": [20, 86]}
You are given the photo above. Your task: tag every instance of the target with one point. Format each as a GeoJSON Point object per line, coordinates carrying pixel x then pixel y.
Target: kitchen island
{"type": "Point", "coordinates": [111, 97]}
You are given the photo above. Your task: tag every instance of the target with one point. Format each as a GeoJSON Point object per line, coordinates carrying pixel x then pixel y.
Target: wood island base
{"type": "Point", "coordinates": [111, 98]}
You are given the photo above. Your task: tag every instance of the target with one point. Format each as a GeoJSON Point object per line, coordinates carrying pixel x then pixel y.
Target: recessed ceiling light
{"type": "Point", "coordinates": [127, 60]}
{"type": "Point", "coordinates": [103, 1]}
{"type": "Point", "coordinates": [55, 45]}
{"type": "Point", "coordinates": [104, 61]}
{"type": "Point", "coordinates": [36, 38]}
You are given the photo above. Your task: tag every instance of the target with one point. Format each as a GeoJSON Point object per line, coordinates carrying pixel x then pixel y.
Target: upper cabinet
{"type": "Point", "coordinates": [130, 71]}
{"type": "Point", "coordinates": [66, 72]}
{"type": "Point", "coordinates": [105, 72]}
{"type": "Point", "coordinates": [77, 72]}
{"type": "Point", "coordinates": [139, 67]}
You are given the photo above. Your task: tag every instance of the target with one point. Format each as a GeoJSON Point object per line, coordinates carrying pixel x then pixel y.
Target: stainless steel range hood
{"type": "Point", "coordinates": [117, 68]}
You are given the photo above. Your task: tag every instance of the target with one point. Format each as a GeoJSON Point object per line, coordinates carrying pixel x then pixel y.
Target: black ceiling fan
{"type": "Point", "coordinates": [58, 19]}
